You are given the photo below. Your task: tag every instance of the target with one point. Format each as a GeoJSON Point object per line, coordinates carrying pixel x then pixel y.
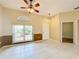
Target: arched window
{"type": "Point", "coordinates": [23, 18]}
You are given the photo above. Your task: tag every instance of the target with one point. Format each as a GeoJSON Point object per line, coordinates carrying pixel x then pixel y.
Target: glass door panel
{"type": "Point", "coordinates": [18, 33]}
{"type": "Point", "coordinates": [28, 33]}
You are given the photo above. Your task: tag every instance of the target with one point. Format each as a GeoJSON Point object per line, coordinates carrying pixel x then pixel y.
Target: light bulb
{"type": "Point", "coordinates": [30, 10]}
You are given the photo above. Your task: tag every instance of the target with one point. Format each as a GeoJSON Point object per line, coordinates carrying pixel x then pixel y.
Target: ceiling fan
{"type": "Point", "coordinates": [30, 6]}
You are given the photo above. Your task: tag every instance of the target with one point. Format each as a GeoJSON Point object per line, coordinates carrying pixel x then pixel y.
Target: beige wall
{"type": "Point", "coordinates": [10, 18]}
{"type": "Point", "coordinates": [55, 28]}
{"type": "Point", "coordinates": [78, 32]}
{"type": "Point", "coordinates": [69, 16]}
{"type": "Point", "coordinates": [56, 24]}
{"type": "Point", "coordinates": [1, 20]}
{"type": "Point", "coordinates": [1, 10]}
{"type": "Point", "coordinates": [72, 16]}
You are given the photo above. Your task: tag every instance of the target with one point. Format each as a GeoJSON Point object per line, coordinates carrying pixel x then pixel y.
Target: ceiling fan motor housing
{"type": "Point", "coordinates": [31, 0]}
{"type": "Point", "coordinates": [30, 6]}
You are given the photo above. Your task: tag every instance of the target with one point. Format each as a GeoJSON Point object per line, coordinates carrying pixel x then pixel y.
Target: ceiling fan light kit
{"type": "Point", "coordinates": [30, 10]}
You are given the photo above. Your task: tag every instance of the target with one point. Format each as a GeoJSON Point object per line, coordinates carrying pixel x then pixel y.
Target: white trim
{"type": "Point", "coordinates": [61, 31]}
{"type": "Point", "coordinates": [6, 46]}
{"type": "Point", "coordinates": [75, 32]}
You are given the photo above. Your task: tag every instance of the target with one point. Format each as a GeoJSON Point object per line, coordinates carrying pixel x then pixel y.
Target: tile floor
{"type": "Point", "coordinates": [41, 50]}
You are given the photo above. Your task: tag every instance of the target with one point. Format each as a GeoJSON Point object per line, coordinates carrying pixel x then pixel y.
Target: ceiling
{"type": "Point", "coordinates": [47, 6]}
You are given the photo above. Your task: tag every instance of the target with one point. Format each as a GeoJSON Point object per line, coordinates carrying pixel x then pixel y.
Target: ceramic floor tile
{"type": "Point", "coordinates": [40, 50]}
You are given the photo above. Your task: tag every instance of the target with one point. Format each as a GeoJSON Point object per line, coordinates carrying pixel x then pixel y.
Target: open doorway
{"type": "Point", "coordinates": [22, 33]}
{"type": "Point", "coordinates": [67, 32]}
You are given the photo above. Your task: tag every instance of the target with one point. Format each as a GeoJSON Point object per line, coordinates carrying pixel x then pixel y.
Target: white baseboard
{"type": "Point", "coordinates": [56, 40]}
{"type": "Point", "coordinates": [6, 46]}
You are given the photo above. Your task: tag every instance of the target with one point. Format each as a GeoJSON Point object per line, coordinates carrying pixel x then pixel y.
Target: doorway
{"type": "Point", "coordinates": [45, 31]}
{"type": "Point", "coordinates": [67, 32]}
{"type": "Point", "coordinates": [22, 33]}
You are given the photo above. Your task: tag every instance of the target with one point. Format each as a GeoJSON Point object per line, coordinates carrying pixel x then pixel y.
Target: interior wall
{"type": "Point", "coordinates": [78, 31]}
{"type": "Point", "coordinates": [72, 16]}
{"type": "Point", "coordinates": [56, 24]}
{"type": "Point", "coordinates": [69, 16]}
{"type": "Point", "coordinates": [10, 18]}
{"type": "Point", "coordinates": [55, 28]}
{"type": "Point", "coordinates": [0, 24]}
{"type": "Point", "coordinates": [1, 10]}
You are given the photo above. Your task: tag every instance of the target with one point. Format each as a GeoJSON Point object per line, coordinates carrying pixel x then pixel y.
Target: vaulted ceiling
{"type": "Point", "coordinates": [52, 6]}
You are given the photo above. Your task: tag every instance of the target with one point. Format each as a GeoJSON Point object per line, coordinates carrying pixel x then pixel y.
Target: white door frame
{"type": "Point", "coordinates": [73, 30]}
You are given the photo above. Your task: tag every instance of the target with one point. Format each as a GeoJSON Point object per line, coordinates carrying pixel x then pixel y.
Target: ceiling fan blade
{"type": "Point", "coordinates": [36, 10]}
{"type": "Point", "coordinates": [37, 5]}
{"type": "Point", "coordinates": [26, 1]}
{"type": "Point", "coordinates": [76, 8]}
{"type": "Point", "coordinates": [23, 7]}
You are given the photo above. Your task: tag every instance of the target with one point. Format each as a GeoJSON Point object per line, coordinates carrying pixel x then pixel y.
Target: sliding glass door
{"type": "Point", "coordinates": [22, 33]}
{"type": "Point", "coordinates": [28, 33]}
